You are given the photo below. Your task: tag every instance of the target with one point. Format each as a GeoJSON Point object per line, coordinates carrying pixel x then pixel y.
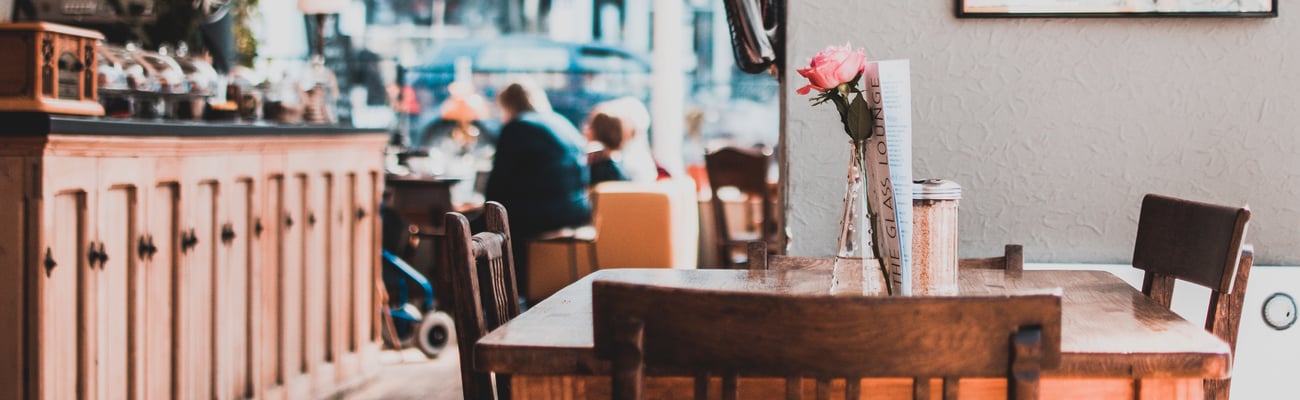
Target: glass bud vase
{"type": "Point", "coordinates": [857, 271]}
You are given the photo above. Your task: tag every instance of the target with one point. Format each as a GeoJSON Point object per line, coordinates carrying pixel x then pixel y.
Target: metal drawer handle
{"type": "Point", "coordinates": [227, 233]}
{"type": "Point", "coordinates": [49, 262]}
{"type": "Point", "coordinates": [188, 240]}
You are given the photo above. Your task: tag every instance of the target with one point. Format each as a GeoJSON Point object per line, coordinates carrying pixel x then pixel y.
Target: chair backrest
{"type": "Point", "coordinates": [483, 286]}
{"type": "Point", "coordinates": [732, 334]}
{"type": "Point", "coordinates": [760, 259]}
{"type": "Point", "coordinates": [746, 169]}
{"type": "Point", "coordinates": [1013, 261]}
{"type": "Point", "coordinates": [1187, 240]}
{"type": "Point", "coordinates": [1200, 243]}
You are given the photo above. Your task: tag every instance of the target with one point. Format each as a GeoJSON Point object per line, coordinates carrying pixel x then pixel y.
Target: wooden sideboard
{"type": "Point", "coordinates": [150, 260]}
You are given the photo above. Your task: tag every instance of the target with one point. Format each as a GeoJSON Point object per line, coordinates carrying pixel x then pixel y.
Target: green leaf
{"type": "Point", "coordinates": [859, 121]}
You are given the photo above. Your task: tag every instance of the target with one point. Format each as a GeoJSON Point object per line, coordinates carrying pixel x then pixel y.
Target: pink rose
{"type": "Point", "coordinates": [831, 67]}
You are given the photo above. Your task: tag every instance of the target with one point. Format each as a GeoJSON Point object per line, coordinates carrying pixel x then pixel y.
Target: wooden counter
{"type": "Point", "coordinates": [186, 260]}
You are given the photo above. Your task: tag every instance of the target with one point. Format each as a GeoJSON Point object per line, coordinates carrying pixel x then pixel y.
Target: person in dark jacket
{"type": "Point", "coordinates": [539, 172]}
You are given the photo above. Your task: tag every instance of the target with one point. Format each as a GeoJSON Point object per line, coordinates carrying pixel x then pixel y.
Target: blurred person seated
{"type": "Point", "coordinates": [607, 133]}
{"type": "Point", "coordinates": [637, 162]}
{"type": "Point", "coordinates": [539, 172]}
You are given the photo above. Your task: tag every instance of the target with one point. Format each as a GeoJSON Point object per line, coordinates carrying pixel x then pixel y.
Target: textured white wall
{"type": "Point", "coordinates": [1057, 127]}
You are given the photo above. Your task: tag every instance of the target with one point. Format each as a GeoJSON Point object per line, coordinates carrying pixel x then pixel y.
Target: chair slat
{"type": "Point", "coordinates": [1159, 287]}
{"type": "Point", "coordinates": [702, 385]}
{"type": "Point", "coordinates": [823, 389]}
{"type": "Point", "coordinates": [853, 387]}
{"type": "Point", "coordinates": [794, 387]}
{"type": "Point", "coordinates": [730, 388]}
{"type": "Point", "coordinates": [921, 388]}
{"type": "Point", "coordinates": [950, 387]}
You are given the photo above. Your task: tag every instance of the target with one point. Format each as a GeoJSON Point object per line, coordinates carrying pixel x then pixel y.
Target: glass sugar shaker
{"type": "Point", "coordinates": [934, 236]}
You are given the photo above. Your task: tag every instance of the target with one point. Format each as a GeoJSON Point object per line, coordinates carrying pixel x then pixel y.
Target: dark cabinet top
{"type": "Point", "coordinates": [36, 124]}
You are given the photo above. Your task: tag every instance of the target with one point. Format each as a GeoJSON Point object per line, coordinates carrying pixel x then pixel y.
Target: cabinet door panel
{"type": "Point", "coordinates": [116, 313]}
{"type": "Point", "coordinates": [61, 323]}
{"type": "Point", "coordinates": [336, 232]}
{"type": "Point", "coordinates": [315, 272]}
{"type": "Point", "coordinates": [67, 326]}
{"type": "Point", "coordinates": [352, 227]}
{"type": "Point", "coordinates": [232, 305]}
{"type": "Point", "coordinates": [364, 258]}
{"type": "Point", "coordinates": [270, 342]}
{"type": "Point", "coordinates": [161, 291]}
{"type": "Point", "coordinates": [291, 311]}
{"type": "Point", "coordinates": [196, 297]}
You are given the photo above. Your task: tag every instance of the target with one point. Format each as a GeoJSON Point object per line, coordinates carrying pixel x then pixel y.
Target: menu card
{"type": "Point", "coordinates": [888, 89]}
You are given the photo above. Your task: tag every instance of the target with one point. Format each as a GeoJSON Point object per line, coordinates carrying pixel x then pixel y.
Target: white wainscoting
{"type": "Point", "coordinates": [1266, 359]}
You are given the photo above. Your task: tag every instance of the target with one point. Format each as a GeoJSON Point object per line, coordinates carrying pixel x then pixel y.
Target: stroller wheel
{"type": "Point", "coordinates": [436, 333]}
{"type": "Point", "coordinates": [406, 322]}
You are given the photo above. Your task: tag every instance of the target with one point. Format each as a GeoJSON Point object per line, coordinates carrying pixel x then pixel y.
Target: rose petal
{"type": "Point", "coordinates": [825, 76]}
{"type": "Point", "coordinates": [804, 90]}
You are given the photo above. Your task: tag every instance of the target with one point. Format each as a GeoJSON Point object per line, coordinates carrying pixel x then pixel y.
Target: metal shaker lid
{"type": "Point", "coordinates": [935, 189]}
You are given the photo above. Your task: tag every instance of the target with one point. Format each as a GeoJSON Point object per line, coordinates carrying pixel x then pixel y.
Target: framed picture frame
{"type": "Point", "coordinates": [1115, 8]}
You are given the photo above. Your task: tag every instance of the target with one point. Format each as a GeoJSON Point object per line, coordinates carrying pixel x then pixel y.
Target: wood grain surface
{"type": "Point", "coordinates": [1109, 329]}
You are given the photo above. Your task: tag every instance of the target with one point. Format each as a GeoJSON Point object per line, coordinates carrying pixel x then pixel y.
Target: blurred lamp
{"type": "Point", "coordinates": [322, 6]}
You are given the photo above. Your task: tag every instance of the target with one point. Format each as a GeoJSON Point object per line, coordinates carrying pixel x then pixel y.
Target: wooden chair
{"type": "Point", "coordinates": [1202, 244]}
{"type": "Point", "coordinates": [483, 282]}
{"type": "Point", "coordinates": [733, 334]}
{"type": "Point", "coordinates": [745, 169]}
{"type": "Point", "coordinates": [1013, 261]}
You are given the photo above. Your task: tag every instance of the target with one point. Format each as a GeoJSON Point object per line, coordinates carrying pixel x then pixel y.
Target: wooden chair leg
{"type": "Point", "coordinates": [950, 386]}
{"type": "Point", "coordinates": [1026, 363]}
{"type": "Point", "coordinates": [702, 386]}
{"type": "Point", "coordinates": [921, 388]}
{"type": "Point", "coordinates": [794, 388]}
{"type": "Point", "coordinates": [628, 381]}
{"type": "Point", "coordinates": [729, 389]}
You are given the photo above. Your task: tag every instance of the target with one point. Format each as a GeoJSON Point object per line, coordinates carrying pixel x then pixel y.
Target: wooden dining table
{"type": "Point", "coordinates": [1115, 342]}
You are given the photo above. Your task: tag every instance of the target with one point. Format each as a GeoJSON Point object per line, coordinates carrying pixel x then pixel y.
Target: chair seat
{"type": "Point", "coordinates": [585, 233]}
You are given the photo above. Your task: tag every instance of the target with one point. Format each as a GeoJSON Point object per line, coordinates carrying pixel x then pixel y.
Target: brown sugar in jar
{"type": "Point", "coordinates": [934, 237]}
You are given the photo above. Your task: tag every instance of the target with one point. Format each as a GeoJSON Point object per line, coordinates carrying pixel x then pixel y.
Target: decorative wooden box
{"type": "Point", "coordinates": [49, 68]}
